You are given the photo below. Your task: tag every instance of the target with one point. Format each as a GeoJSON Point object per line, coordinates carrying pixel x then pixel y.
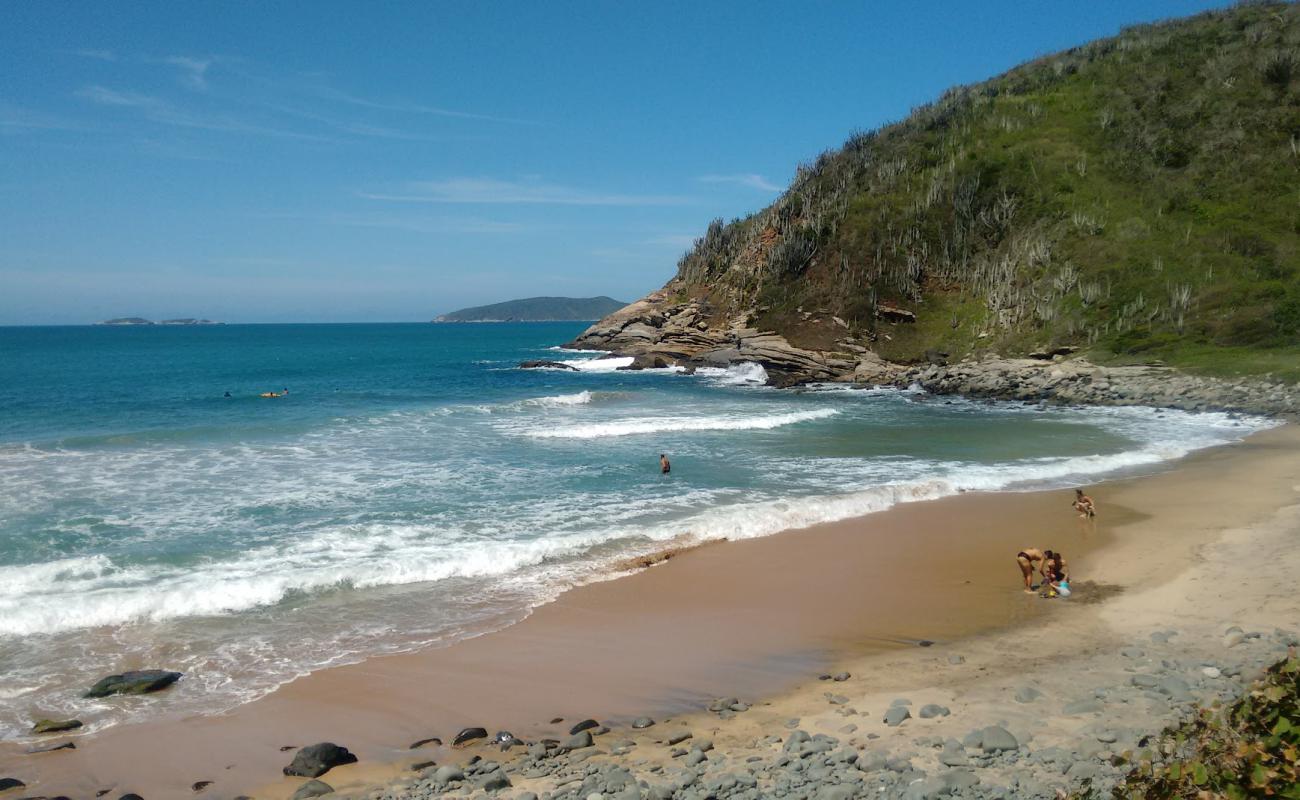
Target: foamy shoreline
{"type": "Point", "coordinates": [637, 595]}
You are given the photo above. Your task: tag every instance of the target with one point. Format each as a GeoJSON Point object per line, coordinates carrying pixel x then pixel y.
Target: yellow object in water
{"type": "Point", "coordinates": [270, 394]}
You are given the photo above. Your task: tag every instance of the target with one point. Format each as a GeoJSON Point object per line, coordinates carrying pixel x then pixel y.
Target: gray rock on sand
{"type": "Point", "coordinates": [494, 781]}
{"type": "Point", "coordinates": [312, 788]}
{"type": "Point", "coordinates": [997, 739]}
{"type": "Point", "coordinates": [896, 715]}
{"type": "Point", "coordinates": [679, 737]}
{"type": "Point", "coordinates": [641, 723]}
{"type": "Point", "coordinates": [841, 677]}
{"type": "Point", "coordinates": [1027, 694]}
{"type": "Point", "coordinates": [956, 659]}
{"type": "Point", "coordinates": [578, 740]}
{"type": "Point", "coordinates": [448, 773]}
{"type": "Point", "coordinates": [315, 760]}
{"type": "Point", "coordinates": [1082, 707]}
{"type": "Point", "coordinates": [55, 726]}
{"type": "Point", "coordinates": [585, 725]}
{"type": "Point", "coordinates": [932, 710]}
{"type": "Point", "coordinates": [133, 682]}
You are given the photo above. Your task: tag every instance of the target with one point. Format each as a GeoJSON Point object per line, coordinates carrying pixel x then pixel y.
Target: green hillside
{"type": "Point", "coordinates": [1137, 197]}
{"type": "Point", "coordinates": [536, 309]}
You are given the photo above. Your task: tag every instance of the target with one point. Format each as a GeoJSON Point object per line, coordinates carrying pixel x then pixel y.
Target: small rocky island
{"type": "Point", "coordinates": [143, 321]}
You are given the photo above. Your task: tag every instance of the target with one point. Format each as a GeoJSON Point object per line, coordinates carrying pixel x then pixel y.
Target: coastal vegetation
{"type": "Point", "coordinates": [1136, 198]}
{"type": "Point", "coordinates": [1248, 749]}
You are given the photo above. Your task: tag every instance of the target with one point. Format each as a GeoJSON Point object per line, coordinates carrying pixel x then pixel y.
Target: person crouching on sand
{"type": "Point", "coordinates": [664, 466]}
{"type": "Point", "coordinates": [1026, 559]}
{"type": "Point", "coordinates": [1055, 573]}
{"type": "Point", "coordinates": [1084, 505]}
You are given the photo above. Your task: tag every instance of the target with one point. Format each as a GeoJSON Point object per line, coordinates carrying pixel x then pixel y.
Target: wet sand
{"type": "Point", "coordinates": [753, 619]}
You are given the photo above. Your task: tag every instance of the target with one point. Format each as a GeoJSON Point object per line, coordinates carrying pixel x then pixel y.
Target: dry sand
{"type": "Point", "coordinates": [1206, 544]}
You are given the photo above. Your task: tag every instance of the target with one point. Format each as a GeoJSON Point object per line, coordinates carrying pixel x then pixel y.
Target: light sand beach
{"type": "Point", "coordinates": [921, 602]}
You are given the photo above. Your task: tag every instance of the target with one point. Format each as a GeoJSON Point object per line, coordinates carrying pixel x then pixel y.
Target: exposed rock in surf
{"type": "Point", "coordinates": [317, 759]}
{"type": "Point", "coordinates": [134, 682]}
{"type": "Point", "coordinates": [55, 726]}
{"type": "Point", "coordinates": [433, 740]}
{"type": "Point", "coordinates": [545, 364]}
{"type": "Point", "coordinates": [50, 748]}
{"type": "Point", "coordinates": [468, 735]}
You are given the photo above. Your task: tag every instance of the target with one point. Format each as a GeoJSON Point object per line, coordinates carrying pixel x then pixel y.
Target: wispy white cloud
{"type": "Point", "coordinates": [748, 179]}
{"type": "Point", "coordinates": [162, 112]}
{"type": "Point", "coordinates": [493, 191]}
{"type": "Point", "coordinates": [14, 119]}
{"type": "Point", "coordinates": [193, 70]}
{"type": "Point", "coordinates": [400, 106]}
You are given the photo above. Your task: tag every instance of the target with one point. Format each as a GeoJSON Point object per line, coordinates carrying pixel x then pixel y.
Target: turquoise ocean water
{"type": "Point", "coordinates": [414, 488]}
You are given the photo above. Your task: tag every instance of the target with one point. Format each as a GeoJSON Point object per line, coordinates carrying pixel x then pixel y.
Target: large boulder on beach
{"type": "Point", "coordinates": [317, 759]}
{"type": "Point", "coordinates": [135, 682]}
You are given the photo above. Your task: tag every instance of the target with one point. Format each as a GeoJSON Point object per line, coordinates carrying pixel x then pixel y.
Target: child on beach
{"type": "Point", "coordinates": [1056, 575]}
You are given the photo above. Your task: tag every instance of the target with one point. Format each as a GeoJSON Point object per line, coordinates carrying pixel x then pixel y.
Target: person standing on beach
{"type": "Point", "coordinates": [1084, 505]}
{"type": "Point", "coordinates": [664, 466]}
{"type": "Point", "coordinates": [1026, 559]}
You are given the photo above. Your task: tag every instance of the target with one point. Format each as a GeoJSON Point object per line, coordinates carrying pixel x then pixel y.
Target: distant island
{"type": "Point", "coordinates": [537, 309]}
{"type": "Point", "coordinates": [143, 321]}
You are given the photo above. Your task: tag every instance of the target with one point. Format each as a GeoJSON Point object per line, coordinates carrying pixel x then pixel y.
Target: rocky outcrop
{"type": "Point", "coordinates": [55, 726]}
{"type": "Point", "coordinates": [659, 331]}
{"type": "Point", "coordinates": [544, 364]}
{"type": "Point", "coordinates": [134, 682]}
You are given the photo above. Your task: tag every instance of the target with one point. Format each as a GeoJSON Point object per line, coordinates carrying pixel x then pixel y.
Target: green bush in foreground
{"type": "Point", "coordinates": [1249, 749]}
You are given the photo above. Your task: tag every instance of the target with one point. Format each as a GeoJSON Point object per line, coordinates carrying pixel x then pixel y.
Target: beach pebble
{"type": "Point", "coordinates": [1132, 652]}
{"type": "Point", "coordinates": [578, 740]}
{"type": "Point", "coordinates": [896, 715]}
{"type": "Point", "coordinates": [836, 699]}
{"type": "Point", "coordinates": [641, 723]}
{"type": "Point", "coordinates": [317, 759]}
{"type": "Point", "coordinates": [50, 748]}
{"type": "Point", "coordinates": [1233, 638]}
{"type": "Point", "coordinates": [10, 783]}
{"type": "Point", "coordinates": [1211, 672]}
{"type": "Point", "coordinates": [695, 757]}
{"type": "Point", "coordinates": [312, 788]}
{"type": "Point", "coordinates": [434, 740]}
{"type": "Point", "coordinates": [494, 781]}
{"type": "Point", "coordinates": [1027, 694]}
{"type": "Point", "coordinates": [199, 786]}
{"type": "Point", "coordinates": [841, 677]}
{"type": "Point", "coordinates": [1108, 737]}
{"type": "Point", "coordinates": [448, 773]}
{"type": "Point", "coordinates": [1163, 637]}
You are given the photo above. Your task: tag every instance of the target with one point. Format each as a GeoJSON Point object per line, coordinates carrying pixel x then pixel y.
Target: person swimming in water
{"type": "Point", "coordinates": [664, 466]}
{"type": "Point", "coordinates": [1084, 505]}
{"type": "Point", "coordinates": [1026, 559]}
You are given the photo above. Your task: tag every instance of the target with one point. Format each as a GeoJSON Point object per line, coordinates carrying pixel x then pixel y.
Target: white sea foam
{"type": "Point", "coordinates": [745, 373]}
{"type": "Point", "coordinates": [561, 400]}
{"type": "Point", "coordinates": [642, 425]}
{"type": "Point", "coordinates": [598, 364]}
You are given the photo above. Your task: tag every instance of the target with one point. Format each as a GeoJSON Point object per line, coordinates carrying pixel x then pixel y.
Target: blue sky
{"type": "Point", "coordinates": [325, 161]}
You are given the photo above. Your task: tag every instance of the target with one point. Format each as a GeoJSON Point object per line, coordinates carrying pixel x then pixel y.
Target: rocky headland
{"type": "Point", "coordinates": [660, 331]}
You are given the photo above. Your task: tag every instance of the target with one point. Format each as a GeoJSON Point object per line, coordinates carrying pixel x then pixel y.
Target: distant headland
{"type": "Point", "coordinates": [143, 321]}
{"type": "Point", "coordinates": [537, 309]}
